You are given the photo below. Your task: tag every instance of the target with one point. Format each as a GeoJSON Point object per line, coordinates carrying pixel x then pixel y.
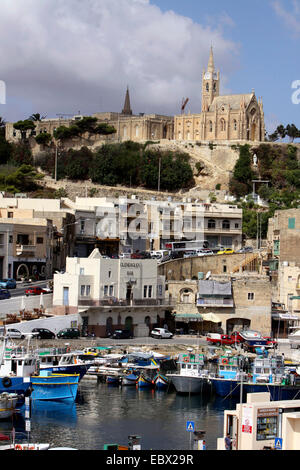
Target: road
{"type": "Point", "coordinates": [18, 299]}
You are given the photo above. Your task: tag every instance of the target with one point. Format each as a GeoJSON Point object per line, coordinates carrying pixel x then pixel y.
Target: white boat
{"type": "Point", "coordinates": [8, 403]}
{"type": "Point", "coordinates": [191, 376]}
{"type": "Point", "coordinates": [25, 446]}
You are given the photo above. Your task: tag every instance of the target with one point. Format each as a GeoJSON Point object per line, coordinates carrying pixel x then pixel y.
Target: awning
{"type": "Point", "coordinates": [211, 317]}
{"type": "Point", "coordinates": [188, 317]}
{"type": "Point", "coordinates": [284, 316]}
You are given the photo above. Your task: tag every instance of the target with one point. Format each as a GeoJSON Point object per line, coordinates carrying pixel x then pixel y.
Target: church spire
{"type": "Point", "coordinates": [211, 64]}
{"type": "Point", "coordinates": [127, 109]}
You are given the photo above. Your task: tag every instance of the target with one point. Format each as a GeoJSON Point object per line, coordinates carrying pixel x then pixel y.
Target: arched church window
{"type": "Point", "coordinates": [210, 126]}
{"type": "Point", "coordinates": [235, 125]}
{"type": "Point", "coordinates": [223, 125]}
{"type": "Point", "coordinates": [207, 87]}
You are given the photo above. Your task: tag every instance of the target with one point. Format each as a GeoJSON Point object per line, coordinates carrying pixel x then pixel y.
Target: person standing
{"type": "Point", "coordinates": [227, 442]}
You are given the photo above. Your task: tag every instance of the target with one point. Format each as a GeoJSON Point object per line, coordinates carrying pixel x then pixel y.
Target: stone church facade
{"type": "Point", "coordinates": [222, 118]}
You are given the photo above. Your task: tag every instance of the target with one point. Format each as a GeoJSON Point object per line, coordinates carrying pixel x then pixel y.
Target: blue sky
{"type": "Point", "coordinates": [269, 48]}
{"type": "Point", "coordinates": [65, 56]}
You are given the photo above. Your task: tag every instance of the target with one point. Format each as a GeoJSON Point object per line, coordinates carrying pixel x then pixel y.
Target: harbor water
{"type": "Point", "coordinates": [105, 414]}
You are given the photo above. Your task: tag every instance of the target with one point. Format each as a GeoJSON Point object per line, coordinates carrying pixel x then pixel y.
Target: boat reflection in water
{"type": "Point", "coordinates": [54, 413]}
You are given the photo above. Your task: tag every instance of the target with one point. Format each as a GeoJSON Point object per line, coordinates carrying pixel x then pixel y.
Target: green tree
{"type": "Point", "coordinates": [24, 126]}
{"type": "Point", "coordinates": [44, 138]}
{"type": "Point", "coordinates": [37, 117]}
{"type": "Point", "coordinates": [292, 132]}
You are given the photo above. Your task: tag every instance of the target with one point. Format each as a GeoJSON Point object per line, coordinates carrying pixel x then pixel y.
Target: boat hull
{"type": "Point", "coordinates": [161, 382]}
{"type": "Point", "coordinates": [144, 382]}
{"type": "Point", "coordinates": [80, 369]}
{"type": "Point", "coordinates": [129, 380]}
{"type": "Point", "coordinates": [19, 385]}
{"type": "Point", "coordinates": [232, 388]}
{"type": "Point", "coordinates": [55, 387]}
{"type": "Point", "coordinates": [188, 384]}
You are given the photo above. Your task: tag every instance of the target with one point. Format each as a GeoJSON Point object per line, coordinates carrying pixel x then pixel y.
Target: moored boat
{"type": "Point", "coordinates": [8, 403]}
{"type": "Point", "coordinates": [48, 386]}
{"type": "Point", "coordinates": [191, 375]}
{"type": "Point", "coordinates": [161, 382]}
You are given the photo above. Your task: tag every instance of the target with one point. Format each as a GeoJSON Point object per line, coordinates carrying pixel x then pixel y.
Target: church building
{"type": "Point", "coordinates": [222, 118]}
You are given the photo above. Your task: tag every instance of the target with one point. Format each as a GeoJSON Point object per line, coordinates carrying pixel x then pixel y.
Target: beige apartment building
{"type": "Point", "coordinates": [112, 293]}
{"type": "Point", "coordinates": [26, 248]}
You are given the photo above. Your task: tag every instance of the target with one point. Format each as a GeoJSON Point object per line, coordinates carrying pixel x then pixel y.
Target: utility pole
{"type": "Point", "coordinates": [159, 169]}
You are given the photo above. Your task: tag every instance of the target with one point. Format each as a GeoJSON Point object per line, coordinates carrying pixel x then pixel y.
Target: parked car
{"type": "Point", "coordinates": [227, 251]}
{"type": "Point", "coordinates": [8, 283]}
{"type": "Point", "coordinates": [14, 334]}
{"type": "Point", "coordinates": [190, 254]}
{"type": "Point", "coordinates": [122, 334]}
{"type": "Point", "coordinates": [34, 291]}
{"type": "Point", "coordinates": [245, 249]}
{"type": "Point", "coordinates": [4, 294]}
{"type": "Point", "coordinates": [69, 333]}
{"type": "Point", "coordinates": [161, 333]}
{"type": "Point", "coordinates": [43, 333]}
{"type": "Point", "coordinates": [204, 252]}
{"type": "Point", "coordinates": [47, 290]}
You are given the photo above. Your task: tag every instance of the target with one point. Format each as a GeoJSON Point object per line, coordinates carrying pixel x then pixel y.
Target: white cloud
{"type": "Point", "coordinates": [290, 15]}
{"type": "Point", "coordinates": [60, 56]}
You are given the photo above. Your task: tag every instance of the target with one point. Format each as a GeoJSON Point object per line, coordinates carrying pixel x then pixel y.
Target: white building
{"type": "Point", "coordinates": [112, 293]}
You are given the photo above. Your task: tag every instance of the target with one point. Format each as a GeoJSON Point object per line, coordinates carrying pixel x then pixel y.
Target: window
{"type": "Point", "coordinates": [207, 87]}
{"type": "Point", "coordinates": [82, 291]}
{"type": "Point", "coordinates": [223, 125]}
{"type": "Point", "coordinates": [236, 225]}
{"type": "Point", "coordinates": [211, 223]}
{"type": "Point", "coordinates": [10, 215]}
{"type": "Point", "coordinates": [267, 428]}
{"type": "Point", "coordinates": [40, 240]}
{"type": "Point", "coordinates": [210, 126]}
{"type": "Point", "coordinates": [109, 273]}
{"type": "Point", "coordinates": [105, 290]}
{"type": "Point", "coordinates": [226, 224]}
{"type": "Point", "coordinates": [88, 290]}
{"type": "Point", "coordinates": [250, 295]}
{"type": "Point", "coordinates": [292, 222]}
{"type": "Point", "coordinates": [150, 292]}
{"type": "Point", "coordinates": [81, 272]}
{"type": "Point", "coordinates": [145, 291]}
{"type": "Point", "coordinates": [234, 125]}
{"type": "Point", "coordinates": [111, 291]}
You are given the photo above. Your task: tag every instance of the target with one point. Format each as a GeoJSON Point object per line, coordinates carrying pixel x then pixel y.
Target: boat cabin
{"type": "Point", "coordinates": [191, 364]}
{"type": "Point", "coordinates": [229, 367]}
{"type": "Point", "coordinates": [268, 370]}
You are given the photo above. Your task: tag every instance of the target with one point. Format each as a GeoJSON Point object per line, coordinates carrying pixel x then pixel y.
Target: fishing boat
{"type": "Point", "coordinates": [8, 403]}
{"type": "Point", "coordinates": [16, 368]}
{"type": "Point", "coordinates": [62, 362]}
{"type": "Point", "coordinates": [113, 379]}
{"type": "Point", "coordinates": [146, 377]}
{"type": "Point", "coordinates": [161, 382]}
{"type": "Point", "coordinates": [236, 378]}
{"type": "Point", "coordinates": [130, 377]}
{"type": "Point", "coordinates": [191, 375]}
{"type": "Point", "coordinates": [49, 386]}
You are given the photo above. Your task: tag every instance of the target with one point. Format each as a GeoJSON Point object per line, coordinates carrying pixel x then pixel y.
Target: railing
{"type": "Point", "coordinates": [113, 302]}
{"type": "Point", "coordinates": [214, 302]}
{"type": "Point", "coordinates": [20, 249]}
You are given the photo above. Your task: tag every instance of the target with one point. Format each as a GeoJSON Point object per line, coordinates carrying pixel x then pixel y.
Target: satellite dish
{"type": "Point", "coordinates": [208, 275]}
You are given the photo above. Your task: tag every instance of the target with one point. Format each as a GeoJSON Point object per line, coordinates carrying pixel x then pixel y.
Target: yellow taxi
{"type": "Point", "coordinates": [228, 251]}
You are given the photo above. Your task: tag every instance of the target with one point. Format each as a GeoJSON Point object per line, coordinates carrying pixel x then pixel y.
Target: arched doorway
{"type": "Point", "coordinates": [22, 271]}
{"type": "Point", "coordinates": [109, 325]}
{"type": "Point", "coordinates": [128, 323]}
{"type": "Point", "coordinates": [237, 324]}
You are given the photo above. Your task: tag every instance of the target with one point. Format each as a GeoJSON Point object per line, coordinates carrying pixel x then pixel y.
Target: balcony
{"type": "Point", "coordinates": [215, 302]}
{"type": "Point", "coordinates": [25, 250]}
{"type": "Point", "coordinates": [114, 302]}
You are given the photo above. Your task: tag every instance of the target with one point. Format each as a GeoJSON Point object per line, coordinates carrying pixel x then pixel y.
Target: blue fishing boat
{"type": "Point", "coordinates": [48, 386]}
{"type": "Point", "coordinates": [112, 379]}
{"type": "Point", "coordinates": [146, 377]}
{"type": "Point", "coordinates": [129, 378]}
{"type": "Point", "coordinates": [262, 375]}
{"type": "Point", "coordinates": [60, 362]}
{"type": "Point", "coordinates": [161, 382]}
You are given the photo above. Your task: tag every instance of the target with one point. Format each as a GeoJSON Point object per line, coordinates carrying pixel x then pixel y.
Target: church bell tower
{"type": "Point", "coordinates": [210, 83]}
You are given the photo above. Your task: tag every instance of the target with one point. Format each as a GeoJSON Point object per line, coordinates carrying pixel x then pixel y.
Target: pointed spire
{"type": "Point", "coordinates": [127, 109]}
{"type": "Point", "coordinates": [211, 65]}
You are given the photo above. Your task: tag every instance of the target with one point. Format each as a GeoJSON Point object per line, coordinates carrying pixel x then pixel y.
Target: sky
{"type": "Point", "coordinates": [69, 56]}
